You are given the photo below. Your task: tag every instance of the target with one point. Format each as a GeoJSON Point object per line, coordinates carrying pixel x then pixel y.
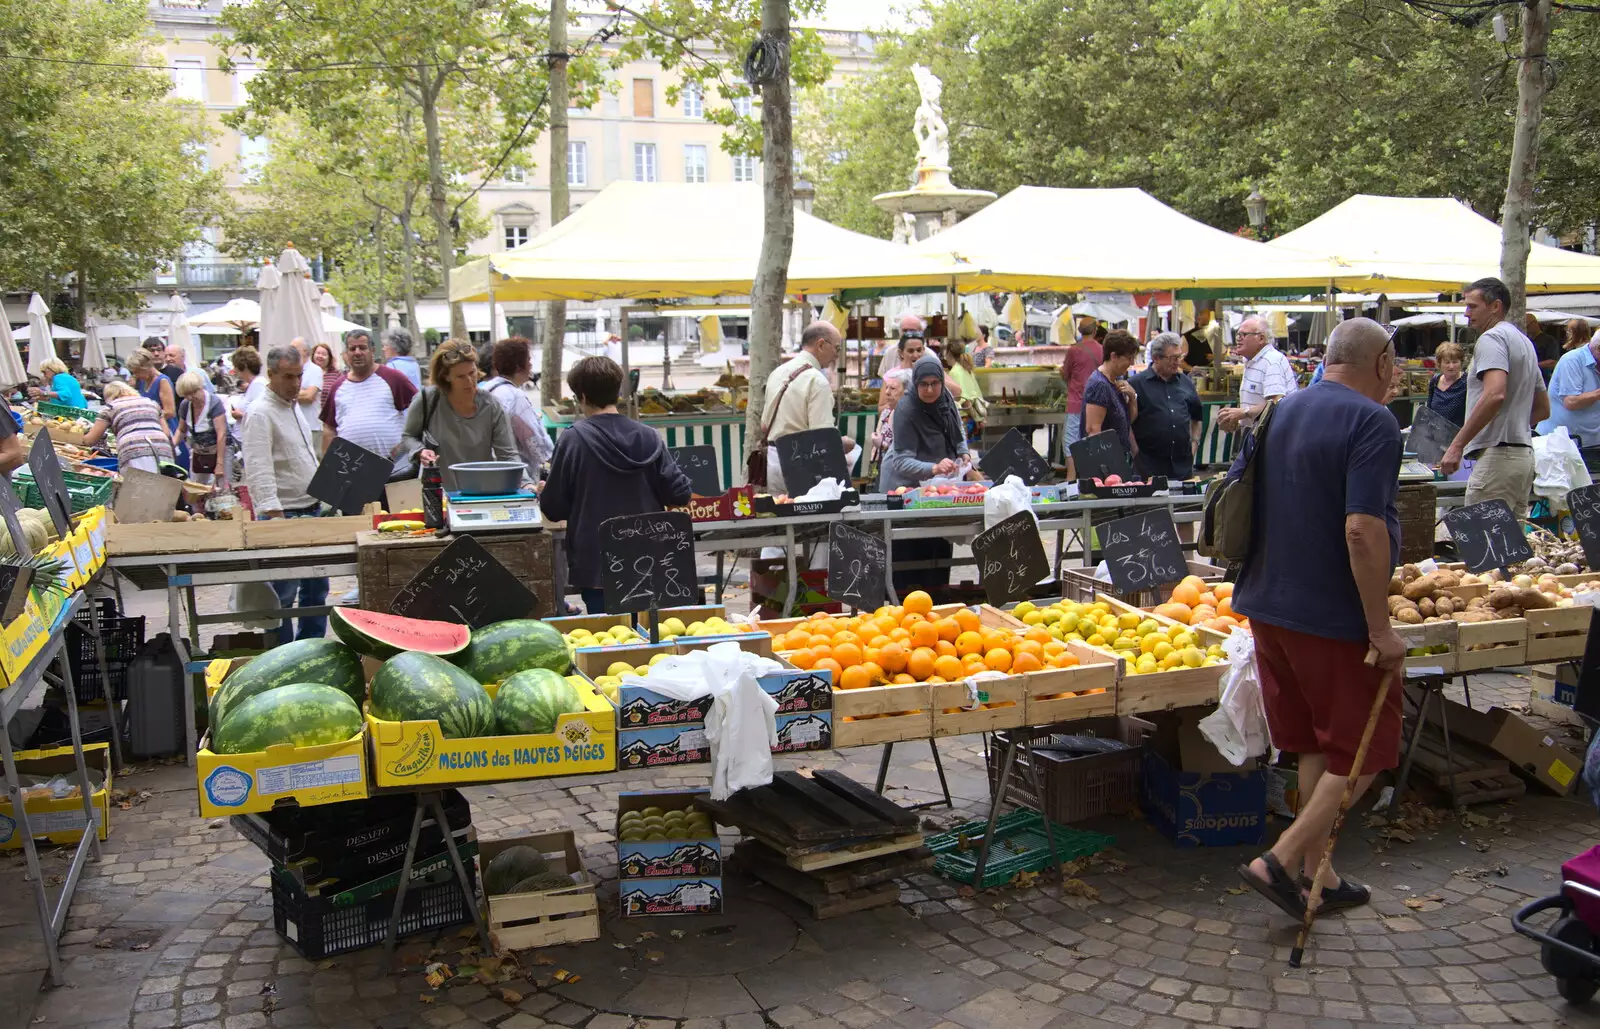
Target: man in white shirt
{"type": "Point", "coordinates": [368, 406]}
{"type": "Point", "coordinates": [310, 393]}
{"type": "Point", "coordinates": [1267, 374]}
{"type": "Point", "coordinates": [799, 396]}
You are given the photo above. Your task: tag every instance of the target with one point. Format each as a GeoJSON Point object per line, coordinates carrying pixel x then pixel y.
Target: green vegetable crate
{"type": "Point", "coordinates": [85, 491]}
{"type": "Point", "coordinates": [1019, 846]}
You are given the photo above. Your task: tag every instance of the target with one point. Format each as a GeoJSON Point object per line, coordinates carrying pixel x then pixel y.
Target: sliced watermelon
{"type": "Point", "coordinates": [380, 635]}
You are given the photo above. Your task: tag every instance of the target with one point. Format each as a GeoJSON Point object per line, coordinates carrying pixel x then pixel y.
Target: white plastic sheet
{"type": "Point", "coordinates": [1557, 467]}
{"type": "Point", "coordinates": [1006, 499]}
{"type": "Point", "coordinates": [1238, 727]}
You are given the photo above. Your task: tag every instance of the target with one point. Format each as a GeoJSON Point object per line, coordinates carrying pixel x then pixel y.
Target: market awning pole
{"type": "Point", "coordinates": [627, 383]}
{"type": "Point", "coordinates": [491, 302]}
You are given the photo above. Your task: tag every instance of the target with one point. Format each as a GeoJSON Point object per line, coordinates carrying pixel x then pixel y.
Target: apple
{"type": "Point", "coordinates": [1097, 481]}
{"type": "Point", "coordinates": [1113, 480]}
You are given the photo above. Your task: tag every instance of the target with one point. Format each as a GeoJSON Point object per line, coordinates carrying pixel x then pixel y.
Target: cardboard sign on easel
{"type": "Point", "coordinates": [146, 497]}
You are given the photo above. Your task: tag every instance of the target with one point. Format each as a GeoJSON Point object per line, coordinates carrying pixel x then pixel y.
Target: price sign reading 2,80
{"type": "Point", "coordinates": [647, 561]}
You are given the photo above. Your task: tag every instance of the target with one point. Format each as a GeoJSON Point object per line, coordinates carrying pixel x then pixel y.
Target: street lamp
{"type": "Point", "coordinates": [1255, 206]}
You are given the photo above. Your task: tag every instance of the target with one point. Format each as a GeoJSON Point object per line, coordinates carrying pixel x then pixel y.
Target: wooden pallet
{"type": "Point", "coordinates": [1479, 774]}
{"type": "Point", "coordinates": [829, 892]}
{"type": "Point", "coordinates": [800, 812]}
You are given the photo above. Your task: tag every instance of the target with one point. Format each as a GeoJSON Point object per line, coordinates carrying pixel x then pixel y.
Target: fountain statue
{"type": "Point", "coordinates": [932, 202]}
{"type": "Point", "coordinates": [933, 136]}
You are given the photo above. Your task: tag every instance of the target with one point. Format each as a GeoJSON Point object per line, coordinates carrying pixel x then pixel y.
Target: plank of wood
{"type": "Point", "coordinates": [835, 806]}
{"type": "Point", "coordinates": [800, 822]}
{"type": "Point", "coordinates": [878, 896]}
{"type": "Point", "coordinates": [843, 878]}
{"type": "Point", "coordinates": [824, 904]}
{"type": "Point", "coordinates": [854, 852]}
{"type": "Point", "coordinates": [737, 811]}
{"type": "Point", "coordinates": [858, 794]}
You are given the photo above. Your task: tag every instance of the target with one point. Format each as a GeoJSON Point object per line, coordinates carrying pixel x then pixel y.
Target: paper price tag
{"type": "Point", "coordinates": [698, 896]}
{"type": "Point", "coordinates": [693, 739]}
{"type": "Point", "coordinates": [805, 732]}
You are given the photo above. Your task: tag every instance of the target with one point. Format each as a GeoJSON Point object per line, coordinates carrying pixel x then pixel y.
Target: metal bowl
{"type": "Point", "coordinates": [488, 478]}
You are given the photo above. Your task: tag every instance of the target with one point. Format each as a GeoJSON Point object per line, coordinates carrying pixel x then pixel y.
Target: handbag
{"type": "Point", "coordinates": [755, 466]}
{"type": "Point", "coordinates": [415, 468]}
{"type": "Point", "coordinates": [1228, 522]}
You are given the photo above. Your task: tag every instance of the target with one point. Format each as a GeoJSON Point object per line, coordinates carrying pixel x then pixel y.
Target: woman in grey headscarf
{"type": "Point", "coordinates": [928, 442]}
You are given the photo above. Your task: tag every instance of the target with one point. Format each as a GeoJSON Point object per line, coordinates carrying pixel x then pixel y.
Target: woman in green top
{"type": "Point", "coordinates": [960, 371]}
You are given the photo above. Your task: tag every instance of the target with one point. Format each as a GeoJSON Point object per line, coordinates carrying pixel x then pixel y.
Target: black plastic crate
{"type": "Point", "coordinates": [318, 929]}
{"type": "Point", "coordinates": [122, 637]}
{"type": "Point", "coordinates": [330, 830]}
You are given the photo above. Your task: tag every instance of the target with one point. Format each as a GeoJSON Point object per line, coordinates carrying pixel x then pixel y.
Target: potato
{"type": "Point", "coordinates": [1504, 597]}
{"type": "Point", "coordinates": [1425, 605]}
{"type": "Point", "coordinates": [1449, 577]}
{"type": "Point", "coordinates": [1396, 586]}
{"type": "Point", "coordinates": [1409, 572]}
{"type": "Point", "coordinates": [1534, 600]}
{"type": "Point", "coordinates": [1425, 586]}
{"type": "Point", "coordinates": [1508, 612]}
{"type": "Point", "coordinates": [1410, 616]}
{"type": "Point", "coordinates": [1445, 605]}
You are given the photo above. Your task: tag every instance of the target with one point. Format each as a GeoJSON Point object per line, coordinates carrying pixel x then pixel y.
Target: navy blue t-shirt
{"type": "Point", "coordinates": [1331, 452]}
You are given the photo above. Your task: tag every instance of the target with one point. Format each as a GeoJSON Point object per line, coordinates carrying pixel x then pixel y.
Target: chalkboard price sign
{"type": "Point", "coordinates": [465, 585]}
{"type": "Point", "coordinates": [647, 561]}
{"type": "Point", "coordinates": [1431, 435]}
{"type": "Point", "coordinates": [806, 458]}
{"type": "Point", "coordinates": [857, 563]}
{"type": "Point", "coordinates": [1487, 535]}
{"type": "Point", "coordinates": [350, 477]}
{"type": "Point", "coordinates": [1585, 505]}
{"type": "Point", "coordinates": [1013, 455]}
{"type": "Point", "coordinates": [1142, 552]}
{"type": "Point", "coordinates": [700, 465]}
{"type": "Point", "coordinates": [1010, 558]}
{"type": "Point", "coordinates": [46, 467]}
{"type": "Point", "coordinates": [1099, 456]}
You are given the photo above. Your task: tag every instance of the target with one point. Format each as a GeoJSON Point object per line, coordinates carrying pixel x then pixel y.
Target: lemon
{"type": "Point", "coordinates": [1095, 640]}
{"type": "Point", "coordinates": [1161, 649]}
{"type": "Point", "coordinates": [1050, 616]}
{"type": "Point", "coordinates": [1208, 662]}
{"type": "Point", "coordinates": [1024, 609]}
{"type": "Point", "coordinates": [1087, 626]}
{"type": "Point", "coordinates": [1101, 606]}
{"type": "Point", "coordinates": [619, 668]}
{"type": "Point", "coordinates": [674, 626]}
{"type": "Point", "coordinates": [582, 633]}
{"type": "Point", "coordinates": [1128, 620]}
{"type": "Point", "coordinates": [1215, 650]}
{"type": "Point", "coordinates": [1146, 664]}
{"type": "Point", "coordinates": [1147, 644]}
{"type": "Point", "coordinates": [1055, 631]}
{"type": "Point", "coordinates": [1149, 625]}
{"type": "Point", "coordinates": [658, 659]}
{"type": "Point", "coordinates": [1184, 641]}
{"type": "Point", "coordinates": [1124, 643]}
{"type": "Point", "coordinates": [1193, 657]}
{"type": "Point", "coordinates": [1074, 637]}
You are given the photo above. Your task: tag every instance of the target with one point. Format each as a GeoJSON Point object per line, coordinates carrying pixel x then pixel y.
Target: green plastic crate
{"type": "Point", "coordinates": [1019, 846]}
{"type": "Point", "coordinates": [85, 491]}
{"type": "Point", "coordinates": [51, 409]}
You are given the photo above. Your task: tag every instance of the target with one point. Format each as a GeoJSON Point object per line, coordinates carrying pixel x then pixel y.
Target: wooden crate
{"type": "Point", "coordinates": [1558, 633]}
{"type": "Point", "coordinates": [1431, 634]}
{"type": "Point", "coordinates": [307, 532]}
{"type": "Point", "coordinates": [1062, 694]}
{"type": "Point", "coordinates": [519, 921]}
{"type": "Point", "coordinates": [1506, 641]}
{"type": "Point", "coordinates": [172, 537]}
{"type": "Point", "coordinates": [386, 565]}
{"type": "Point", "coordinates": [951, 717]}
{"type": "Point", "coordinates": [891, 713]}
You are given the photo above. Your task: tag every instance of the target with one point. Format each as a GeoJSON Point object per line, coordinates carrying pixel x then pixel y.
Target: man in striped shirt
{"type": "Point", "coordinates": [368, 406]}
{"type": "Point", "coordinates": [1267, 374]}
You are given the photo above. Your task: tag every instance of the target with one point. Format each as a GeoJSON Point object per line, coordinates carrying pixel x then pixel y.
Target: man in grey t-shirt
{"type": "Point", "coordinates": [1505, 398]}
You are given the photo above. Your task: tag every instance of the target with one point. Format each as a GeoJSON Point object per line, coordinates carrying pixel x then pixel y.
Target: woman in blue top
{"type": "Point", "coordinates": [63, 388]}
{"type": "Point", "coordinates": [152, 385]}
{"type": "Point", "coordinates": [1108, 399]}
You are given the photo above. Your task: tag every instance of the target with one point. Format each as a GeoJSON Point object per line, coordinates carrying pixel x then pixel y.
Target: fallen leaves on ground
{"type": "Point", "coordinates": [1079, 888]}
{"type": "Point", "coordinates": [509, 996]}
{"type": "Point", "coordinates": [1418, 903]}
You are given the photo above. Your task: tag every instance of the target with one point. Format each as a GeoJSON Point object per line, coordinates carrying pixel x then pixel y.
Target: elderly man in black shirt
{"type": "Point", "coordinates": [1168, 427]}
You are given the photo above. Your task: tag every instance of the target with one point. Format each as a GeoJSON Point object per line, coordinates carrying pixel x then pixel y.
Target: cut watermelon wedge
{"type": "Point", "coordinates": [382, 636]}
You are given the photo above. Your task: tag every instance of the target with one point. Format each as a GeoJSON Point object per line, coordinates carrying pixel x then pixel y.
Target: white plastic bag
{"type": "Point", "coordinates": [1006, 499]}
{"type": "Point", "coordinates": [1557, 467]}
{"type": "Point", "coordinates": [255, 596]}
{"type": "Point", "coordinates": [742, 724]}
{"type": "Point", "coordinates": [1238, 727]}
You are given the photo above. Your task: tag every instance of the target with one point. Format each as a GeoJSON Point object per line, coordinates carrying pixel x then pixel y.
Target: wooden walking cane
{"type": "Point", "coordinates": [1314, 900]}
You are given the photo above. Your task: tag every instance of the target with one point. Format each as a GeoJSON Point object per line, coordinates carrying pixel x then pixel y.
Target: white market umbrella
{"type": "Point", "coordinates": [25, 334]}
{"type": "Point", "coordinates": [178, 334]}
{"type": "Point", "coordinates": [333, 327]}
{"type": "Point", "coordinates": [94, 358]}
{"type": "Point", "coordinates": [41, 342]}
{"type": "Point", "coordinates": [11, 371]}
{"type": "Point", "coordinates": [289, 303]}
{"type": "Point", "coordinates": [238, 313]}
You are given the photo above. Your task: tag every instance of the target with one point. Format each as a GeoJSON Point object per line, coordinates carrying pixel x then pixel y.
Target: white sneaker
{"type": "Point", "coordinates": [351, 599]}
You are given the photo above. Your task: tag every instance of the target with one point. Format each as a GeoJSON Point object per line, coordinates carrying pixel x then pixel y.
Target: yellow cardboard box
{"type": "Point", "coordinates": [62, 548]}
{"type": "Point", "coordinates": [59, 821]}
{"type": "Point", "coordinates": [411, 753]}
{"type": "Point", "coordinates": [94, 523]}
{"type": "Point", "coordinates": [50, 604]}
{"type": "Point", "coordinates": [83, 552]}
{"type": "Point", "coordinates": [22, 639]}
{"type": "Point", "coordinates": [237, 784]}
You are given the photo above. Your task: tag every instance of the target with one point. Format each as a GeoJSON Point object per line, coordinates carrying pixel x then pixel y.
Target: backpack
{"type": "Point", "coordinates": [1229, 517]}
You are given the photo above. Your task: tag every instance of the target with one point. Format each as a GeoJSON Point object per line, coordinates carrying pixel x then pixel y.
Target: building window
{"type": "Point", "coordinates": [252, 157]}
{"type": "Point", "coordinates": [744, 168]}
{"type": "Point", "coordinates": [243, 72]}
{"type": "Point", "coordinates": [516, 235]}
{"type": "Point", "coordinates": [577, 163]}
{"type": "Point", "coordinates": [644, 162]}
{"type": "Point", "coordinates": [644, 98]}
{"type": "Point", "coordinates": [199, 153]}
{"type": "Point", "coordinates": [515, 174]}
{"type": "Point", "coordinates": [189, 78]}
{"type": "Point", "coordinates": [742, 106]}
{"type": "Point", "coordinates": [694, 163]}
{"type": "Point", "coordinates": [694, 102]}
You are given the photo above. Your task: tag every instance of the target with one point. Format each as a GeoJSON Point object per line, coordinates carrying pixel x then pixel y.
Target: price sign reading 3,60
{"type": "Point", "coordinates": [1142, 552]}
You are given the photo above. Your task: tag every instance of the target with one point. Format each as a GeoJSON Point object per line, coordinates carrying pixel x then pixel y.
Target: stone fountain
{"type": "Point", "coordinates": [933, 202]}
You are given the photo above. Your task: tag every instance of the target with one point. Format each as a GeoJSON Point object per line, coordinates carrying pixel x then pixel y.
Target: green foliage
{"type": "Point", "coordinates": [1199, 101]}
{"type": "Point", "coordinates": [99, 174]}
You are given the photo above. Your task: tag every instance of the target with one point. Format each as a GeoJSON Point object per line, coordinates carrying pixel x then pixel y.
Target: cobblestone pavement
{"type": "Point", "coordinates": [175, 929]}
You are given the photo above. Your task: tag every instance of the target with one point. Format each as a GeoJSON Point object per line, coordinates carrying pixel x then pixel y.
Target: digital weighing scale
{"type": "Point", "coordinates": [467, 513]}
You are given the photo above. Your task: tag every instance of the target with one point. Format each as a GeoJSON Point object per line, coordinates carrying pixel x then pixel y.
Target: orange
{"type": "Point", "coordinates": [1175, 611]}
{"type": "Point", "coordinates": [1185, 593]}
{"type": "Point", "coordinates": [949, 667]}
{"type": "Point", "coordinates": [1026, 661]}
{"type": "Point", "coordinates": [920, 664]}
{"type": "Point", "coordinates": [998, 659]}
{"type": "Point", "coordinates": [830, 665]}
{"type": "Point", "coordinates": [973, 663]}
{"type": "Point", "coordinates": [847, 654]}
{"type": "Point", "coordinates": [1038, 635]}
{"type": "Point", "coordinates": [1029, 647]}
{"type": "Point", "coordinates": [1225, 608]}
{"type": "Point", "coordinates": [1223, 590]}
{"type": "Point", "coordinates": [912, 619]}
{"type": "Point", "coordinates": [874, 672]}
{"type": "Point", "coordinates": [918, 602]}
{"type": "Point", "coordinates": [1054, 647]}
{"type": "Point", "coordinates": [944, 647]}
{"type": "Point", "coordinates": [1208, 598]}
{"type": "Point", "coordinates": [885, 624]}
{"type": "Point", "coordinates": [825, 625]}
{"type": "Point", "coordinates": [821, 650]}
{"type": "Point", "coordinates": [781, 642]}
{"type": "Point", "coordinates": [855, 678]}
{"type": "Point", "coordinates": [1203, 612]}
{"type": "Point", "coordinates": [996, 638]}
{"type": "Point", "coordinates": [902, 679]}
{"type": "Point", "coordinates": [818, 639]}
{"type": "Point", "coordinates": [969, 642]}
{"type": "Point", "coordinates": [892, 656]}
{"type": "Point", "coordinates": [949, 628]}
{"type": "Point", "coordinates": [967, 619]}
{"type": "Point", "coordinates": [900, 635]}
{"type": "Point", "coordinates": [924, 634]}
{"type": "Point", "coordinates": [803, 659]}
{"type": "Point", "coordinates": [845, 636]}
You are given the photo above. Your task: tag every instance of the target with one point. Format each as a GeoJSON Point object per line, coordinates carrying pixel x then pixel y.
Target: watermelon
{"type": "Point", "coordinates": [510, 867]}
{"type": "Point", "coordinates": [382, 636]}
{"type": "Point", "coordinates": [498, 650]}
{"type": "Point", "coordinates": [300, 714]}
{"type": "Point", "coordinates": [323, 661]}
{"type": "Point", "coordinates": [423, 687]}
{"type": "Point", "coordinates": [531, 700]}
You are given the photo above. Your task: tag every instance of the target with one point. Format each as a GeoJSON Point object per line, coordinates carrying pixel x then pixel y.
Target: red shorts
{"type": "Point", "coordinates": [1318, 693]}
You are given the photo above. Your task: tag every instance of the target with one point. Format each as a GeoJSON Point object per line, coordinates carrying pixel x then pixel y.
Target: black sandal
{"type": "Point", "coordinates": [1337, 898]}
{"type": "Point", "coordinates": [1279, 887]}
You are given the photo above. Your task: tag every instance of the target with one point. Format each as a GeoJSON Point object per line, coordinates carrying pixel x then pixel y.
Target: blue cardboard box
{"type": "Point", "coordinates": [804, 730]}
{"type": "Point", "coordinates": [662, 745]}
{"type": "Point", "coordinates": [794, 689]}
{"type": "Point", "coordinates": [700, 895]}
{"type": "Point", "coordinates": [671, 858]}
{"type": "Point", "coordinates": [1203, 809]}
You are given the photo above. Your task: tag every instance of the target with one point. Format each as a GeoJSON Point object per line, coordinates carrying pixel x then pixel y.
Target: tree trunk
{"type": "Point", "coordinates": [377, 278]}
{"type": "Point", "coordinates": [1516, 216]}
{"type": "Point", "coordinates": [408, 268]}
{"type": "Point", "coordinates": [777, 238]}
{"type": "Point", "coordinates": [555, 326]}
{"type": "Point", "coordinates": [83, 299]}
{"type": "Point", "coordinates": [439, 203]}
